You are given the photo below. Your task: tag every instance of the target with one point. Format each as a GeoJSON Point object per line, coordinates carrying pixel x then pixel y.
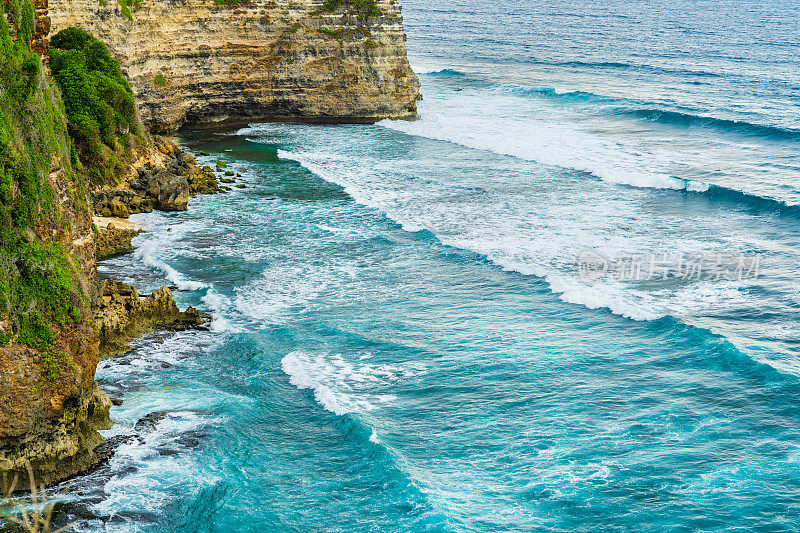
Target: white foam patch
{"type": "Point", "coordinates": [139, 471]}
{"type": "Point", "coordinates": [219, 305]}
{"type": "Point", "coordinates": [534, 230]}
{"type": "Point", "coordinates": [148, 254]}
{"type": "Point", "coordinates": [496, 121]}
{"type": "Point", "coordinates": [286, 290]}
{"type": "Point", "coordinates": [342, 386]}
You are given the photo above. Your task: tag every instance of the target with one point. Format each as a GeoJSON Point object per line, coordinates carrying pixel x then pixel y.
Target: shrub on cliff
{"type": "Point", "coordinates": [37, 283]}
{"type": "Point", "coordinates": [98, 99]}
{"type": "Point", "coordinates": [363, 8]}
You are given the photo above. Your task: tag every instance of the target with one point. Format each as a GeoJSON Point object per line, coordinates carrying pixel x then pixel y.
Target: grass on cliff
{"type": "Point", "coordinates": [362, 8]}
{"type": "Point", "coordinates": [99, 102]}
{"type": "Point", "coordinates": [37, 281]}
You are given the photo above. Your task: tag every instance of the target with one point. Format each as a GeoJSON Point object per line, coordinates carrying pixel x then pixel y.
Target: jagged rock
{"type": "Point", "coordinates": [165, 184]}
{"type": "Point", "coordinates": [280, 60]}
{"type": "Point", "coordinates": [114, 236]}
{"type": "Point", "coordinates": [51, 423]}
{"type": "Point", "coordinates": [172, 191]}
{"type": "Point", "coordinates": [121, 315]}
{"type": "Point", "coordinates": [117, 209]}
{"type": "Point", "coordinates": [202, 181]}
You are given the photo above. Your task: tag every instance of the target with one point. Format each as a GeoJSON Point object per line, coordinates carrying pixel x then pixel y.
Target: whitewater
{"type": "Point", "coordinates": [434, 325]}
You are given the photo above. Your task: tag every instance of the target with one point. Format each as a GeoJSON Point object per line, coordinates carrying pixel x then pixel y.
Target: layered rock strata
{"type": "Point", "coordinates": [193, 62]}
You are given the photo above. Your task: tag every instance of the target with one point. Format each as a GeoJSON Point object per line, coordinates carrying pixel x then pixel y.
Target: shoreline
{"type": "Point", "coordinates": [125, 319]}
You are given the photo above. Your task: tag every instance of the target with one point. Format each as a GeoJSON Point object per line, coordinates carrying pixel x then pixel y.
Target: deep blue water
{"type": "Point", "coordinates": [403, 340]}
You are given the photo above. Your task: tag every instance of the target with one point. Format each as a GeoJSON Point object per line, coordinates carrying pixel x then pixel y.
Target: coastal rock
{"type": "Point", "coordinates": [122, 315]}
{"type": "Point", "coordinates": [163, 179]}
{"type": "Point", "coordinates": [197, 62]}
{"type": "Point", "coordinates": [51, 423]}
{"type": "Point", "coordinates": [114, 236]}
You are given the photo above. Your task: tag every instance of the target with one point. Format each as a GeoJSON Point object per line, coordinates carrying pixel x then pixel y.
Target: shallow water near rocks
{"type": "Point", "coordinates": [402, 341]}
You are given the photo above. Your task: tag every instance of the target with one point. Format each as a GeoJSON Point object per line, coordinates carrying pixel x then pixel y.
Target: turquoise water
{"type": "Point", "coordinates": [402, 338]}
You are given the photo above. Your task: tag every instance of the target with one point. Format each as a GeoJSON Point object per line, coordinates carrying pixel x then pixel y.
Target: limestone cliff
{"type": "Point", "coordinates": [196, 62]}
{"type": "Point", "coordinates": [54, 316]}
{"type": "Point", "coordinates": [50, 405]}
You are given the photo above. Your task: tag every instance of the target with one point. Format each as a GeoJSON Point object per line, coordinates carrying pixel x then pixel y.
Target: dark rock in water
{"type": "Point", "coordinates": [191, 439]}
{"type": "Point", "coordinates": [107, 450]}
{"type": "Point", "coordinates": [150, 421]}
{"type": "Point", "coordinates": [123, 517]}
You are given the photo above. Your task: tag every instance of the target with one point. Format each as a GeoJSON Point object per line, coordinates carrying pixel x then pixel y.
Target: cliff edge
{"type": "Point", "coordinates": [206, 62]}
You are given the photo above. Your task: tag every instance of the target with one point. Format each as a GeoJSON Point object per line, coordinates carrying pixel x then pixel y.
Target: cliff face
{"type": "Point", "coordinates": [54, 316]}
{"type": "Point", "coordinates": [50, 404]}
{"type": "Point", "coordinates": [194, 62]}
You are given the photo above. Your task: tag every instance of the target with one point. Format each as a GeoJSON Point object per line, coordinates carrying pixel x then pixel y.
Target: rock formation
{"type": "Point", "coordinates": [121, 315]}
{"type": "Point", "coordinates": [164, 179]}
{"type": "Point", "coordinates": [114, 236]}
{"type": "Point", "coordinates": [195, 62]}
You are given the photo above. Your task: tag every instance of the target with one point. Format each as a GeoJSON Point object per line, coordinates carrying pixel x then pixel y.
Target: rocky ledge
{"type": "Point", "coordinates": [164, 180]}
{"type": "Point", "coordinates": [51, 423]}
{"type": "Point", "coordinates": [114, 236]}
{"type": "Point", "coordinates": [122, 315]}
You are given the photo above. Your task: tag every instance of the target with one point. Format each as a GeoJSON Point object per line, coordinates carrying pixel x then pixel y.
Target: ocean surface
{"type": "Point", "coordinates": [567, 298]}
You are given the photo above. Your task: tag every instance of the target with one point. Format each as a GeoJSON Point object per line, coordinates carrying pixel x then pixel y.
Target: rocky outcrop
{"type": "Point", "coordinates": [164, 182]}
{"type": "Point", "coordinates": [52, 423]}
{"type": "Point", "coordinates": [122, 315]}
{"type": "Point", "coordinates": [114, 236]}
{"type": "Point", "coordinates": [196, 62]}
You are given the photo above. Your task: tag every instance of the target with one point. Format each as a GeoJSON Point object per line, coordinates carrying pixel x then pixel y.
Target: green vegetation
{"type": "Point", "coordinates": [125, 6]}
{"type": "Point", "coordinates": [37, 280]}
{"type": "Point", "coordinates": [362, 8]}
{"type": "Point", "coordinates": [234, 3]}
{"type": "Point", "coordinates": [98, 100]}
{"type": "Point", "coordinates": [160, 80]}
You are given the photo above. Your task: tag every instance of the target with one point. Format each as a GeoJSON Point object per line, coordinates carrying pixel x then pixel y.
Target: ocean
{"type": "Point", "coordinates": [566, 298]}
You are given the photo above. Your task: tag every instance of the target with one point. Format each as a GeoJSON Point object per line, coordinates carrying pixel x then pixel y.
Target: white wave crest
{"type": "Point", "coordinates": [342, 387]}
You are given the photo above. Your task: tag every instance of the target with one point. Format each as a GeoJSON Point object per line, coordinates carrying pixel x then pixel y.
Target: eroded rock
{"type": "Point", "coordinates": [122, 315]}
